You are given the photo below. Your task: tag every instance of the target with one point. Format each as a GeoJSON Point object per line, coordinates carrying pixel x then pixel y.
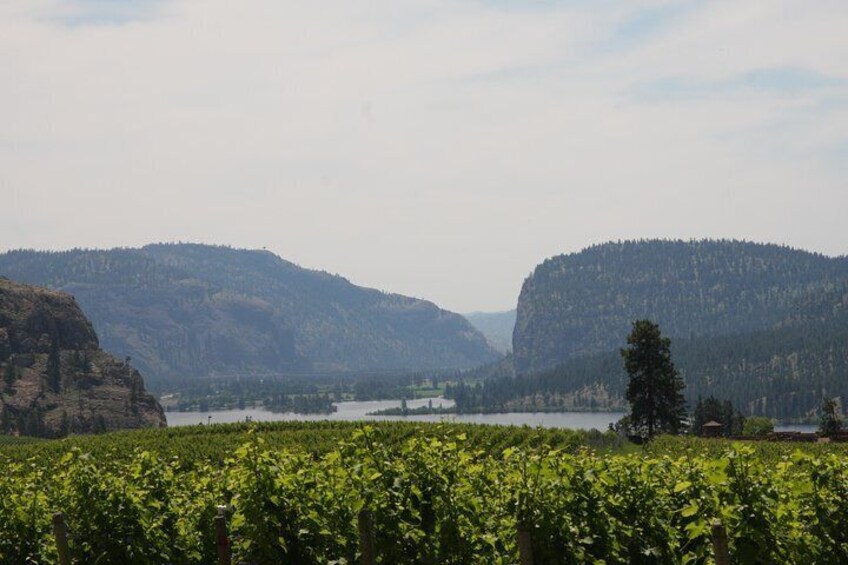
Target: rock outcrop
{"type": "Point", "coordinates": [584, 303]}
{"type": "Point", "coordinates": [54, 378]}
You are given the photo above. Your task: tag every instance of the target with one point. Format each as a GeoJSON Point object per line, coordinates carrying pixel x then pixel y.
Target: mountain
{"type": "Point", "coordinates": [184, 310]}
{"type": "Point", "coordinates": [782, 372]}
{"type": "Point", "coordinates": [763, 326]}
{"type": "Point", "coordinates": [583, 303]}
{"type": "Point", "coordinates": [495, 326]}
{"type": "Point", "coordinates": [56, 379]}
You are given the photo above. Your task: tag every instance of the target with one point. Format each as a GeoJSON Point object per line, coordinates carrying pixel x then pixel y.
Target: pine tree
{"type": "Point", "coordinates": [831, 422]}
{"type": "Point", "coordinates": [712, 409]}
{"type": "Point", "coordinates": [655, 389]}
{"type": "Point", "coordinates": [10, 375]}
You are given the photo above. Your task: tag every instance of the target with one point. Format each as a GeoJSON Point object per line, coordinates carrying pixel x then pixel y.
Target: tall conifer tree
{"type": "Point", "coordinates": [655, 389]}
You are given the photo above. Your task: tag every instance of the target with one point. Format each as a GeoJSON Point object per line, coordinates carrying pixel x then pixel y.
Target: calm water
{"type": "Point", "coordinates": [350, 411]}
{"type": "Point", "coordinates": [808, 428]}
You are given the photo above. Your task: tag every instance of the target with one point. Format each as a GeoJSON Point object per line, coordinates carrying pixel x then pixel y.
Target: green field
{"type": "Point", "coordinates": [438, 494]}
{"type": "Point", "coordinates": [17, 440]}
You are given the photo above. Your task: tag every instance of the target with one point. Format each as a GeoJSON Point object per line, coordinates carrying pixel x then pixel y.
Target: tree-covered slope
{"type": "Point", "coordinates": [583, 303]}
{"type": "Point", "coordinates": [193, 310]}
{"type": "Point", "coordinates": [782, 372]}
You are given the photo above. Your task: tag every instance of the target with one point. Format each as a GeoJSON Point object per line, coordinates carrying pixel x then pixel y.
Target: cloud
{"type": "Point", "coordinates": [84, 13]}
{"type": "Point", "coordinates": [439, 149]}
{"type": "Point", "coordinates": [768, 81]}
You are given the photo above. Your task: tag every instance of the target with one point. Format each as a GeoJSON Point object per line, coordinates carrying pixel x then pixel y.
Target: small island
{"type": "Point", "coordinates": [404, 410]}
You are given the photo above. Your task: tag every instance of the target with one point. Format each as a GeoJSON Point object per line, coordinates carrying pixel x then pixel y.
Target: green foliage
{"type": "Point", "coordinates": [772, 452]}
{"type": "Point", "coordinates": [215, 443]}
{"type": "Point", "coordinates": [655, 389]}
{"type": "Point", "coordinates": [712, 409]}
{"type": "Point", "coordinates": [831, 421]}
{"type": "Point", "coordinates": [442, 494]}
{"type": "Point", "coordinates": [757, 426]}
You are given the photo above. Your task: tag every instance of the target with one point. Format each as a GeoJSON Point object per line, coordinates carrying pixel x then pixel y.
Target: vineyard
{"type": "Point", "coordinates": [447, 494]}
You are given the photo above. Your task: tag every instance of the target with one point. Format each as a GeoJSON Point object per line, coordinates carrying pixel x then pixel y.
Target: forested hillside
{"type": "Point", "coordinates": [584, 303]}
{"type": "Point", "coordinates": [781, 372]}
{"type": "Point", "coordinates": [194, 310]}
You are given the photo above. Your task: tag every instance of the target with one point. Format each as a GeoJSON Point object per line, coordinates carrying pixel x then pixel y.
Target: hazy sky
{"type": "Point", "coordinates": [434, 148]}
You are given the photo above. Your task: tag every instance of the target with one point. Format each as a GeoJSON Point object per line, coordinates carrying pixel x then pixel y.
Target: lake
{"type": "Point", "coordinates": [352, 411]}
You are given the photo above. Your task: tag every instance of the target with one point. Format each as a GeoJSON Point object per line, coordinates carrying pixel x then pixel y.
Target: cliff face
{"type": "Point", "coordinates": [55, 378]}
{"type": "Point", "coordinates": [583, 303]}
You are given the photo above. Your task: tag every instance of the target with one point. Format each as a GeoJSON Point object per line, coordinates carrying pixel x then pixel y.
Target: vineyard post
{"type": "Point", "coordinates": [366, 537]}
{"type": "Point", "coordinates": [222, 541]}
{"type": "Point", "coordinates": [525, 545]}
{"type": "Point", "coordinates": [719, 537]}
{"type": "Point", "coordinates": [60, 531]}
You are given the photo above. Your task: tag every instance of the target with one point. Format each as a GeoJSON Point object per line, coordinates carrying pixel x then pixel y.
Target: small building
{"type": "Point", "coordinates": [712, 429]}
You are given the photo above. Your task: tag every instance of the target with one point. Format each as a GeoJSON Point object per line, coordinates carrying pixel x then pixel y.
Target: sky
{"type": "Point", "coordinates": [440, 148]}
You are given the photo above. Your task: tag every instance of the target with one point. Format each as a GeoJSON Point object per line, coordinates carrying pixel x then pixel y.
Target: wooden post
{"type": "Point", "coordinates": [60, 531]}
{"type": "Point", "coordinates": [525, 545]}
{"type": "Point", "coordinates": [720, 546]}
{"type": "Point", "coordinates": [222, 541]}
{"type": "Point", "coordinates": [366, 538]}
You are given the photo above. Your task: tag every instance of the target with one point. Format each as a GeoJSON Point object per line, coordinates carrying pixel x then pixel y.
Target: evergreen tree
{"type": "Point", "coordinates": [10, 375]}
{"type": "Point", "coordinates": [655, 389]}
{"type": "Point", "coordinates": [712, 409]}
{"type": "Point", "coordinates": [6, 424]}
{"type": "Point", "coordinates": [831, 421]}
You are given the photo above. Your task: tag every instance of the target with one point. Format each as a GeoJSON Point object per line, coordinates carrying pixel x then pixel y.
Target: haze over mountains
{"type": "Point", "coordinates": [762, 325]}
{"type": "Point", "coordinates": [495, 326]}
{"type": "Point", "coordinates": [185, 310]}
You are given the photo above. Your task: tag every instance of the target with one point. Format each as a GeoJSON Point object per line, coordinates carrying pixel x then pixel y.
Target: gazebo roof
{"type": "Point", "coordinates": [712, 424]}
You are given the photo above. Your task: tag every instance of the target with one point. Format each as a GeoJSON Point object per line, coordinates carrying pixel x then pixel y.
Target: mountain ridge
{"type": "Point", "coordinates": [574, 304]}
{"type": "Point", "coordinates": [774, 346]}
{"type": "Point", "coordinates": [194, 310]}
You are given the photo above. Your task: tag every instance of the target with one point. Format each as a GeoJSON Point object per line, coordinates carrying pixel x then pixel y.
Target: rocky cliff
{"type": "Point", "coordinates": [583, 303]}
{"type": "Point", "coordinates": [55, 378]}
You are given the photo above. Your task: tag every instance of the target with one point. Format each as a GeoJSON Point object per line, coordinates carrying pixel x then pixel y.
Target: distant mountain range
{"type": "Point", "coordinates": [185, 310]}
{"type": "Point", "coordinates": [495, 326]}
{"type": "Point", "coordinates": [764, 326]}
